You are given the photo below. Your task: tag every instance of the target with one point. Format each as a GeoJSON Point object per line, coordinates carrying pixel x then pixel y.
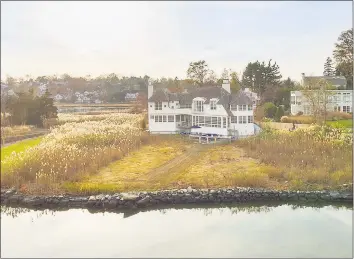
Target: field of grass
{"type": "Point", "coordinates": [114, 154]}
{"type": "Point", "coordinates": [311, 158]}
{"type": "Point", "coordinates": [341, 123]}
{"type": "Point", "coordinates": [134, 171]}
{"type": "Point", "coordinates": [18, 147]}
{"type": "Point", "coordinates": [71, 151]}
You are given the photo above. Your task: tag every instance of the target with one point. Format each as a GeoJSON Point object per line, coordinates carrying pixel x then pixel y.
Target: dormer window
{"type": "Point", "coordinates": [212, 105]}
{"type": "Point", "coordinates": [158, 106]}
{"type": "Point", "coordinates": [198, 106]}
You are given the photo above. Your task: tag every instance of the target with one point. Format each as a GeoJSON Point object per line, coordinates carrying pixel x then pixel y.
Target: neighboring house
{"type": "Point", "coordinates": [338, 100]}
{"type": "Point", "coordinates": [207, 109]}
{"type": "Point", "coordinates": [129, 97]}
{"type": "Point", "coordinates": [336, 81]}
{"type": "Point", "coordinates": [97, 101]}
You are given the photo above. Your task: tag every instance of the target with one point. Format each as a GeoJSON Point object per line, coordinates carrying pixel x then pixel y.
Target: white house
{"type": "Point", "coordinates": [338, 100]}
{"type": "Point", "coordinates": [254, 97]}
{"type": "Point", "coordinates": [208, 109]}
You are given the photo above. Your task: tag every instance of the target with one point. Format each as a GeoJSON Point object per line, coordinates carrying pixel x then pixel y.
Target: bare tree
{"type": "Point", "coordinates": [198, 71]}
{"type": "Point", "coordinates": [317, 93]}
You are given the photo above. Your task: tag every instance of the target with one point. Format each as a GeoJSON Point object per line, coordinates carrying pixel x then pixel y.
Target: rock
{"type": "Point", "coordinates": [10, 191]}
{"type": "Point", "coordinates": [189, 189]}
{"type": "Point", "coordinates": [129, 197]}
{"type": "Point", "coordinates": [112, 204]}
{"type": "Point", "coordinates": [334, 195]}
{"type": "Point", "coordinates": [144, 201]}
{"type": "Point", "coordinates": [33, 201]}
{"type": "Point", "coordinates": [92, 198]}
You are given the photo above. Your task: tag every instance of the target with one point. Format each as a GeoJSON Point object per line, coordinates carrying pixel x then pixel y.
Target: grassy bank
{"type": "Point", "coordinates": [19, 147]}
{"type": "Point", "coordinates": [114, 154]}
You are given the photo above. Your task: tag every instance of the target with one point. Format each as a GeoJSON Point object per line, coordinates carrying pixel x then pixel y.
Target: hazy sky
{"type": "Point", "coordinates": [161, 38]}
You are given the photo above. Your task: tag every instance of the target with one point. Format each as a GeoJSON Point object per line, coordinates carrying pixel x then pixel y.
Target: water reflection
{"type": "Point", "coordinates": [245, 230]}
{"type": "Point", "coordinates": [207, 210]}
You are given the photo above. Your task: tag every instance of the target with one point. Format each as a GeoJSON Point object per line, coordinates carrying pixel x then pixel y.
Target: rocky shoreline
{"type": "Point", "coordinates": [121, 201]}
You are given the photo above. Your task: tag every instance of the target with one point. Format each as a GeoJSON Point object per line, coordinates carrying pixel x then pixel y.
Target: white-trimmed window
{"type": "Point", "coordinates": [198, 106]}
{"type": "Point", "coordinates": [250, 119]}
{"type": "Point", "coordinates": [346, 97]}
{"type": "Point", "coordinates": [164, 118]}
{"type": "Point", "coordinates": [171, 118]}
{"type": "Point", "coordinates": [242, 119]}
{"type": "Point", "coordinates": [242, 107]}
{"type": "Point", "coordinates": [298, 100]}
{"type": "Point", "coordinates": [337, 97]}
{"type": "Point", "coordinates": [207, 121]}
{"type": "Point", "coordinates": [151, 117]}
{"type": "Point", "coordinates": [346, 109]}
{"type": "Point", "coordinates": [337, 108]}
{"type": "Point", "coordinates": [250, 107]}
{"type": "Point", "coordinates": [292, 99]}
{"type": "Point", "coordinates": [233, 107]}
{"type": "Point", "coordinates": [233, 119]}
{"type": "Point", "coordinates": [158, 105]}
{"type": "Point", "coordinates": [178, 118]}
{"type": "Point", "coordinates": [212, 105]}
{"type": "Point", "coordinates": [185, 106]}
{"type": "Point", "coordinates": [224, 122]}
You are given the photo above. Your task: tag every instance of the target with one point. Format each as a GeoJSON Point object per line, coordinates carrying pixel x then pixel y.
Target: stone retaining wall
{"type": "Point", "coordinates": [168, 197]}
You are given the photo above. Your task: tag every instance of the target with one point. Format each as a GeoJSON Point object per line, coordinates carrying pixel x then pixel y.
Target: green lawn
{"type": "Point", "coordinates": [19, 146]}
{"type": "Point", "coordinates": [341, 123]}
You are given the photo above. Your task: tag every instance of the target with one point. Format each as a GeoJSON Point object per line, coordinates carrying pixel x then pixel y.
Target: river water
{"type": "Point", "coordinates": [252, 231]}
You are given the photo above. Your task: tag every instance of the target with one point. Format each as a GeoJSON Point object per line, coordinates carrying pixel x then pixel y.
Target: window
{"type": "Point", "coordinates": [346, 97]}
{"type": "Point", "coordinates": [234, 119]}
{"type": "Point", "coordinates": [346, 109]}
{"type": "Point", "coordinates": [164, 118]}
{"type": "Point", "coordinates": [337, 108]}
{"type": "Point", "coordinates": [212, 105]}
{"type": "Point", "coordinates": [250, 107]}
{"type": "Point", "coordinates": [292, 99]}
{"type": "Point", "coordinates": [172, 107]}
{"type": "Point", "coordinates": [207, 121]}
{"type": "Point", "coordinates": [233, 107]}
{"type": "Point", "coordinates": [329, 99]}
{"type": "Point", "coordinates": [198, 106]}
{"type": "Point", "coordinates": [150, 106]}
{"type": "Point", "coordinates": [250, 119]}
{"type": "Point", "coordinates": [242, 107]}
{"type": "Point", "coordinates": [158, 106]}
{"type": "Point", "coordinates": [298, 100]}
{"type": "Point", "coordinates": [185, 106]}
{"type": "Point", "coordinates": [164, 106]}
{"type": "Point", "coordinates": [171, 118]}
{"type": "Point", "coordinates": [336, 97]}
{"type": "Point", "coordinates": [224, 122]}
{"type": "Point", "coordinates": [152, 117]}
{"type": "Point", "coordinates": [178, 118]}
{"type": "Point", "coordinates": [242, 119]}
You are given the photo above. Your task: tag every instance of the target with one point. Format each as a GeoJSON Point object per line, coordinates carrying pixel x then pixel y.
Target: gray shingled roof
{"type": "Point", "coordinates": [334, 80]}
{"type": "Point", "coordinates": [207, 92]}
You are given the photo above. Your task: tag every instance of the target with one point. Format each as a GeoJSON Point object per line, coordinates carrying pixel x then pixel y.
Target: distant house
{"type": "Point", "coordinates": [338, 100]}
{"type": "Point", "coordinates": [97, 101]}
{"type": "Point", "coordinates": [207, 109]}
{"type": "Point", "coordinates": [129, 97]}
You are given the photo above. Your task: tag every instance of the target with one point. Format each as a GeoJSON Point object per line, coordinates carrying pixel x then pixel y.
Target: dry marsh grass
{"type": "Point", "coordinates": [308, 158]}
{"type": "Point", "coordinates": [73, 150]}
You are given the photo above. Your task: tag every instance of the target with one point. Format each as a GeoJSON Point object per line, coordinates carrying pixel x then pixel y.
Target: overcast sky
{"type": "Point", "coordinates": [161, 38]}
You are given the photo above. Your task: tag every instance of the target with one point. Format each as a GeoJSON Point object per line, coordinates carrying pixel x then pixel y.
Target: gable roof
{"type": "Point", "coordinates": [334, 80]}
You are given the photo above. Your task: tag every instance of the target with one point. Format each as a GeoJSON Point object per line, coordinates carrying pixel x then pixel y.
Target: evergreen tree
{"type": "Point", "coordinates": [259, 75]}
{"type": "Point", "coordinates": [328, 68]}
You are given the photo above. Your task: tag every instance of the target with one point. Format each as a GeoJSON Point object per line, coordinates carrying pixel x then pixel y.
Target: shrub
{"type": "Point", "coordinates": [299, 113]}
{"type": "Point", "coordinates": [269, 109]}
{"type": "Point", "coordinates": [284, 119]}
{"type": "Point", "coordinates": [279, 113]}
{"type": "Point", "coordinates": [259, 113]}
{"type": "Point", "coordinates": [334, 116]}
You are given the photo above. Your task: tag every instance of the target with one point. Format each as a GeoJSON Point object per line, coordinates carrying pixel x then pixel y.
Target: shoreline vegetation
{"type": "Point", "coordinates": [112, 153]}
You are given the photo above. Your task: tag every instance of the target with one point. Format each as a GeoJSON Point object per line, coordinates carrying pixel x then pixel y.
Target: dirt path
{"type": "Point", "coordinates": [178, 163]}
